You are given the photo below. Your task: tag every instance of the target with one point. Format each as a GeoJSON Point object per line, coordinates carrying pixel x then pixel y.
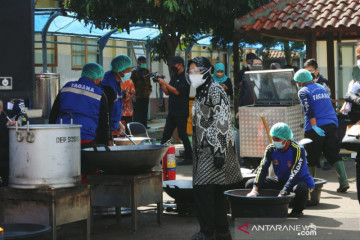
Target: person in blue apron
{"type": "Point", "coordinates": [120, 69]}
{"type": "Point", "coordinates": [87, 103]}
{"type": "Point", "coordinates": [321, 126]}
{"type": "Point", "coordinates": [289, 162]}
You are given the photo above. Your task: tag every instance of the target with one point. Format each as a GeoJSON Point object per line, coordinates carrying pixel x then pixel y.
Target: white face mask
{"type": "Point", "coordinates": [197, 79]}
{"type": "Point", "coordinates": [358, 63]}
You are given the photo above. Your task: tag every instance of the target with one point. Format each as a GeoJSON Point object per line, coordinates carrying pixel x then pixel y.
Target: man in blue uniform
{"type": "Point", "coordinates": [85, 100]}
{"type": "Point", "coordinates": [321, 126]}
{"type": "Point", "coordinates": [289, 162]}
{"type": "Point", "coordinates": [120, 69]}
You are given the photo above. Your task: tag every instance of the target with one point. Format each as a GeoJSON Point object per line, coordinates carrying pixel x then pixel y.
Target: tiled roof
{"type": "Point", "coordinates": [302, 14]}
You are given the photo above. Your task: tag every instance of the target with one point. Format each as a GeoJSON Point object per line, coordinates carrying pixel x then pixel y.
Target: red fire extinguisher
{"type": "Point", "coordinates": [169, 165]}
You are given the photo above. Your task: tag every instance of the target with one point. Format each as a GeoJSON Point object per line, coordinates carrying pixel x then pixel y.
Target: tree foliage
{"type": "Point", "coordinates": [179, 20]}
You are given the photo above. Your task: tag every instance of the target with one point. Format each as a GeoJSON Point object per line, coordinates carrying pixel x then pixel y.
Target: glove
{"type": "Point", "coordinates": [319, 131]}
{"type": "Point", "coordinates": [219, 160]}
{"type": "Point", "coordinates": [253, 193]}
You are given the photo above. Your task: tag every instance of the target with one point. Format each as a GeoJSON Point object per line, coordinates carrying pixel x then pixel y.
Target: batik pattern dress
{"type": "Point", "coordinates": [212, 134]}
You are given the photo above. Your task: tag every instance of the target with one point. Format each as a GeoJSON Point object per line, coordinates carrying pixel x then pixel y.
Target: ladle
{"type": "Point", "coordinates": [127, 136]}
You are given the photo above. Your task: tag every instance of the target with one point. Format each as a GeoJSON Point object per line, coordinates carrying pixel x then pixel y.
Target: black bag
{"type": "Point", "coordinates": [351, 140]}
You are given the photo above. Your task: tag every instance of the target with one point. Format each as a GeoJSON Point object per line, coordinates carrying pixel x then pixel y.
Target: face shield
{"type": "Point", "coordinates": [196, 75]}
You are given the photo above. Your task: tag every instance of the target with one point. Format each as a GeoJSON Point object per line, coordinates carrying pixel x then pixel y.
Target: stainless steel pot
{"type": "Point", "coordinates": [44, 156]}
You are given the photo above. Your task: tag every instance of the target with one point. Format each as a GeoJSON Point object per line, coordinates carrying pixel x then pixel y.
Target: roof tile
{"type": "Point", "coordinates": [299, 14]}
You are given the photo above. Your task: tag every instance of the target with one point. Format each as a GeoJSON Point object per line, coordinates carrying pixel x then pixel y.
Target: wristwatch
{"type": "Point", "coordinates": [284, 192]}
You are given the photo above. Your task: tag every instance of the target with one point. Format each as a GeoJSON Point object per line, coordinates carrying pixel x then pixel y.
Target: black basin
{"type": "Point", "coordinates": [122, 159]}
{"type": "Point", "coordinates": [315, 195]}
{"type": "Point", "coordinates": [23, 230]}
{"type": "Point", "coordinates": [266, 205]}
{"type": "Point", "coordinates": [182, 192]}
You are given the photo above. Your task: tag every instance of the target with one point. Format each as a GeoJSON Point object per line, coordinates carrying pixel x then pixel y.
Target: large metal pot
{"type": "Point", "coordinates": [44, 155]}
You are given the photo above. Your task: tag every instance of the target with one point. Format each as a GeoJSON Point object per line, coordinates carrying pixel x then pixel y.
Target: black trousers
{"type": "Point", "coordinates": [211, 209]}
{"type": "Point", "coordinates": [329, 145]}
{"type": "Point", "coordinates": [141, 110]}
{"type": "Point", "coordinates": [301, 190]}
{"type": "Point", "coordinates": [178, 122]}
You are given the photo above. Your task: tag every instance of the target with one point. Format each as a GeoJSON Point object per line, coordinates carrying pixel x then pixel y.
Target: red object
{"type": "Point", "coordinates": [169, 165]}
{"type": "Point", "coordinates": [285, 15]}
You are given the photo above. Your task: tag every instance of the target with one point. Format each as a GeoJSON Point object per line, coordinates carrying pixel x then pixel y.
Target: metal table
{"type": "Point", "coordinates": [132, 190]}
{"type": "Point", "coordinates": [47, 206]}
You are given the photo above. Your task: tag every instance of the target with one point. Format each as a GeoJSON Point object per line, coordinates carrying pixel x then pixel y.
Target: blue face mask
{"type": "Point", "coordinates": [143, 65]}
{"type": "Point", "coordinates": [126, 76]}
{"type": "Point", "coordinates": [279, 145]}
{"type": "Point", "coordinates": [299, 87]}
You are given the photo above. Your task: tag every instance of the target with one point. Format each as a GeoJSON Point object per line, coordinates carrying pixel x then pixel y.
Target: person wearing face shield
{"type": "Point", "coordinates": [87, 103]}
{"type": "Point", "coordinates": [178, 91]}
{"type": "Point", "coordinates": [215, 164]}
{"type": "Point", "coordinates": [321, 126]}
{"type": "Point", "coordinates": [120, 70]}
{"type": "Point", "coordinates": [354, 114]}
{"type": "Point", "coordinates": [289, 162]}
{"type": "Point", "coordinates": [141, 78]}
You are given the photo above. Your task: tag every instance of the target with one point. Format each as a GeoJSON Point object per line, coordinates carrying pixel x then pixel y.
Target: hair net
{"type": "Point", "coordinates": [303, 76]}
{"type": "Point", "coordinates": [281, 130]}
{"type": "Point", "coordinates": [120, 63]}
{"type": "Point", "coordinates": [219, 66]}
{"type": "Point", "coordinates": [92, 71]}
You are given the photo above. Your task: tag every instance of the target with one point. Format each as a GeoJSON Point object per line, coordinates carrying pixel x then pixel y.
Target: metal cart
{"type": "Point", "coordinates": [275, 98]}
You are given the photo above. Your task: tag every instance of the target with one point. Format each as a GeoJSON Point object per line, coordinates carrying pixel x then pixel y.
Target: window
{"type": "Point", "coordinates": [83, 54]}
{"type": "Point", "coordinates": [51, 51]}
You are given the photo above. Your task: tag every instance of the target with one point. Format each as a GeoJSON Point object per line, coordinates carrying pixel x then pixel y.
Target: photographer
{"type": "Point", "coordinates": [178, 91]}
{"type": "Point", "coordinates": [141, 78]}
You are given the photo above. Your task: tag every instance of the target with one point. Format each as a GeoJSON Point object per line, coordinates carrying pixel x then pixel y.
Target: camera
{"type": "Point", "coordinates": [155, 77]}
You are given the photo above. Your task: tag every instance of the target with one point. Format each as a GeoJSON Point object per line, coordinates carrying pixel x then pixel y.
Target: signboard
{"type": "Point", "coordinates": [6, 83]}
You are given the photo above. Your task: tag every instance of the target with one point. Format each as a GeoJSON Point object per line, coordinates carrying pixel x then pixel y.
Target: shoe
{"type": "Point", "coordinates": [185, 162]}
{"type": "Point", "coordinates": [343, 188]}
{"type": "Point", "coordinates": [341, 172]}
{"type": "Point", "coordinates": [326, 166]}
{"type": "Point", "coordinates": [295, 214]}
{"type": "Point", "coordinates": [147, 127]}
{"type": "Point", "coordinates": [201, 236]}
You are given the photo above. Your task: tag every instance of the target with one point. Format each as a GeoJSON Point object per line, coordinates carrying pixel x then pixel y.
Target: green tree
{"type": "Point", "coordinates": [180, 21]}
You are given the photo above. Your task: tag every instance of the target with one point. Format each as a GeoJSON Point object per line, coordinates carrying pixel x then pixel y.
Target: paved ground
{"type": "Point", "coordinates": [336, 217]}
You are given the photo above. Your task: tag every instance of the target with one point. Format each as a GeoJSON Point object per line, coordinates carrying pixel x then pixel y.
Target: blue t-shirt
{"type": "Point", "coordinates": [316, 103]}
{"type": "Point", "coordinates": [290, 166]}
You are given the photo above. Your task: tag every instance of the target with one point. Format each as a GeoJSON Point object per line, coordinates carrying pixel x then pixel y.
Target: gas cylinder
{"type": "Point", "coordinates": [169, 165]}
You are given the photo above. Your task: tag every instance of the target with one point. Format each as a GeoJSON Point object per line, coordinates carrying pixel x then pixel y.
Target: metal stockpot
{"type": "Point", "coordinates": [44, 155]}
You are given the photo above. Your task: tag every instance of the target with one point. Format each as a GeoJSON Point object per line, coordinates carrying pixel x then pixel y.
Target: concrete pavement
{"type": "Point", "coordinates": [336, 217]}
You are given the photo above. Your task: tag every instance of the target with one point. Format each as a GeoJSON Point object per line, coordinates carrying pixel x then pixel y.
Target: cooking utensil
{"type": "Point", "coordinates": [128, 137]}
{"type": "Point", "coordinates": [44, 155]}
{"type": "Point", "coordinates": [123, 159]}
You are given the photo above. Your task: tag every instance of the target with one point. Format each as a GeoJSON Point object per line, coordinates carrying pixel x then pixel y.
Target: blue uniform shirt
{"type": "Point", "coordinates": [86, 111]}
{"type": "Point", "coordinates": [289, 166]}
{"type": "Point", "coordinates": [109, 80]}
{"type": "Point", "coordinates": [316, 103]}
